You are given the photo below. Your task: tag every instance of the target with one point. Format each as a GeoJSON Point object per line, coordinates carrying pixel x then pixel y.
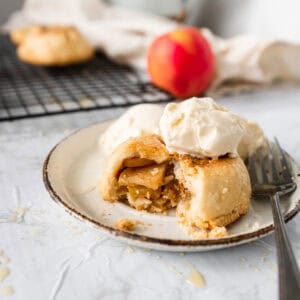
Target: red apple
{"type": "Point", "coordinates": [181, 62]}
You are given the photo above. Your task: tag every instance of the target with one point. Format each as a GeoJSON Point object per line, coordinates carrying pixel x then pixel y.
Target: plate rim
{"type": "Point", "coordinates": [230, 240]}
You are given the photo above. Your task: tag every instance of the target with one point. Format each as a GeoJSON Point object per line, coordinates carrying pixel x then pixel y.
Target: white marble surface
{"type": "Point", "coordinates": [54, 256]}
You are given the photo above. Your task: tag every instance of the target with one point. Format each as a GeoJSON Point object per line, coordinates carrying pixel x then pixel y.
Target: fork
{"type": "Point", "coordinates": [272, 177]}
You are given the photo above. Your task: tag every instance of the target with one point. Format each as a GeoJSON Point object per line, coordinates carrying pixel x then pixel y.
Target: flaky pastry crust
{"type": "Point", "coordinates": [52, 45]}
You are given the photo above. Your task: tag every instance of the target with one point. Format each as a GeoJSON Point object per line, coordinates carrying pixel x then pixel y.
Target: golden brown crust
{"type": "Point", "coordinates": [220, 221]}
{"type": "Point", "coordinates": [235, 214]}
{"type": "Point", "coordinates": [19, 35]}
{"type": "Point", "coordinates": [193, 163]}
{"type": "Point", "coordinates": [220, 193]}
{"type": "Point", "coordinates": [149, 147]}
{"type": "Point", "coordinates": [52, 45]}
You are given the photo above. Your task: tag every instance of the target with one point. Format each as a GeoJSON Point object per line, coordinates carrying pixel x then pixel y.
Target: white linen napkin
{"type": "Point", "coordinates": [124, 35]}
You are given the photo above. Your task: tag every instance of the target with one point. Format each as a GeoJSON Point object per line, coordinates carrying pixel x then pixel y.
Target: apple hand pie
{"type": "Point", "coordinates": [51, 45]}
{"type": "Point", "coordinates": [208, 193]}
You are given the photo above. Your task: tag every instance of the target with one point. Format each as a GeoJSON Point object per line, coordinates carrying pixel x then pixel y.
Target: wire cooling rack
{"type": "Point", "coordinates": [29, 91]}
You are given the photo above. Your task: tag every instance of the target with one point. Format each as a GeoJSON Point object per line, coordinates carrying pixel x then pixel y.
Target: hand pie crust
{"type": "Point", "coordinates": [208, 194]}
{"type": "Point", "coordinates": [51, 45]}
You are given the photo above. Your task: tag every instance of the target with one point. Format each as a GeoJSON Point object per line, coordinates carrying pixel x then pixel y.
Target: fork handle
{"type": "Point", "coordinates": [289, 274]}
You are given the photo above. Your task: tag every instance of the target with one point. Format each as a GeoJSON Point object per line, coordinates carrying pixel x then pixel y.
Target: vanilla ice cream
{"type": "Point", "coordinates": [201, 128]}
{"type": "Point", "coordinates": [139, 119]}
{"type": "Point", "coordinates": [253, 138]}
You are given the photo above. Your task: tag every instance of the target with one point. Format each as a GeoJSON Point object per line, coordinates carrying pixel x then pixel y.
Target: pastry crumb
{"type": "Point", "coordinates": [218, 232]}
{"type": "Point", "coordinates": [125, 224]}
{"type": "Point", "coordinates": [4, 260]}
{"type": "Point", "coordinates": [6, 291]}
{"type": "Point", "coordinates": [143, 224]}
{"type": "Point", "coordinates": [202, 233]}
{"type": "Point", "coordinates": [130, 249]}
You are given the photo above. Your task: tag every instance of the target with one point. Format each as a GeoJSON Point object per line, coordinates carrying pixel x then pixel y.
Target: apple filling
{"type": "Point", "coordinates": [148, 186]}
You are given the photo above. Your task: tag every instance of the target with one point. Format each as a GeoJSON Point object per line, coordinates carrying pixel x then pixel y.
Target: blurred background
{"type": "Point", "coordinates": [34, 89]}
{"type": "Point", "coordinates": [271, 18]}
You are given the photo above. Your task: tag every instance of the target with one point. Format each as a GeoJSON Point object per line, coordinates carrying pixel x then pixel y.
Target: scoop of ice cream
{"type": "Point", "coordinates": [252, 139]}
{"type": "Point", "coordinates": [200, 127]}
{"type": "Point", "coordinates": [139, 119]}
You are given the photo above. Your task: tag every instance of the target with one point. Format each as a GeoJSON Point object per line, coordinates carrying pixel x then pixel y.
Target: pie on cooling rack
{"type": "Point", "coordinates": [192, 165]}
{"type": "Point", "coordinates": [19, 35]}
{"type": "Point", "coordinates": [53, 45]}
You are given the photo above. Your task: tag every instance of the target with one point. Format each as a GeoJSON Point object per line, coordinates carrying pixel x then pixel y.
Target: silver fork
{"type": "Point", "coordinates": [272, 177]}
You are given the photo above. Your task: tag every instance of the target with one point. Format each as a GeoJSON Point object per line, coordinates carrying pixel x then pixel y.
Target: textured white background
{"type": "Point", "coordinates": [53, 256]}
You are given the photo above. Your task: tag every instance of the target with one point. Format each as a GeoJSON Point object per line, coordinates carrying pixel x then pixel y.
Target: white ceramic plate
{"type": "Point", "coordinates": [72, 170]}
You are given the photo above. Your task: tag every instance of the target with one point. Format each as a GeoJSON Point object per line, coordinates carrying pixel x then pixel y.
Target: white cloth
{"type": "Point", "coordinates": [124, 35]}
{"type": "Point", "coordinates": [247, 61]}
{"type": "Point", "coordinates": [121, 34]}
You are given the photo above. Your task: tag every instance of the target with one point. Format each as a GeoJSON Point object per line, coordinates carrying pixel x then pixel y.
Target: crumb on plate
{"type": "Point", "coordinates": [125, 224]}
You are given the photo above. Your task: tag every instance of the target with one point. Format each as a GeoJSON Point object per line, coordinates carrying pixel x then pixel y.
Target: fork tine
{"type": "Point", "coordinates": [286, 172]}
{"type": "Point", "coordinates": [252, 169]}
{"type": "Point", "coordinates": [272, 164]}
{"type": "Point", "coordinates": [262, 164]}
